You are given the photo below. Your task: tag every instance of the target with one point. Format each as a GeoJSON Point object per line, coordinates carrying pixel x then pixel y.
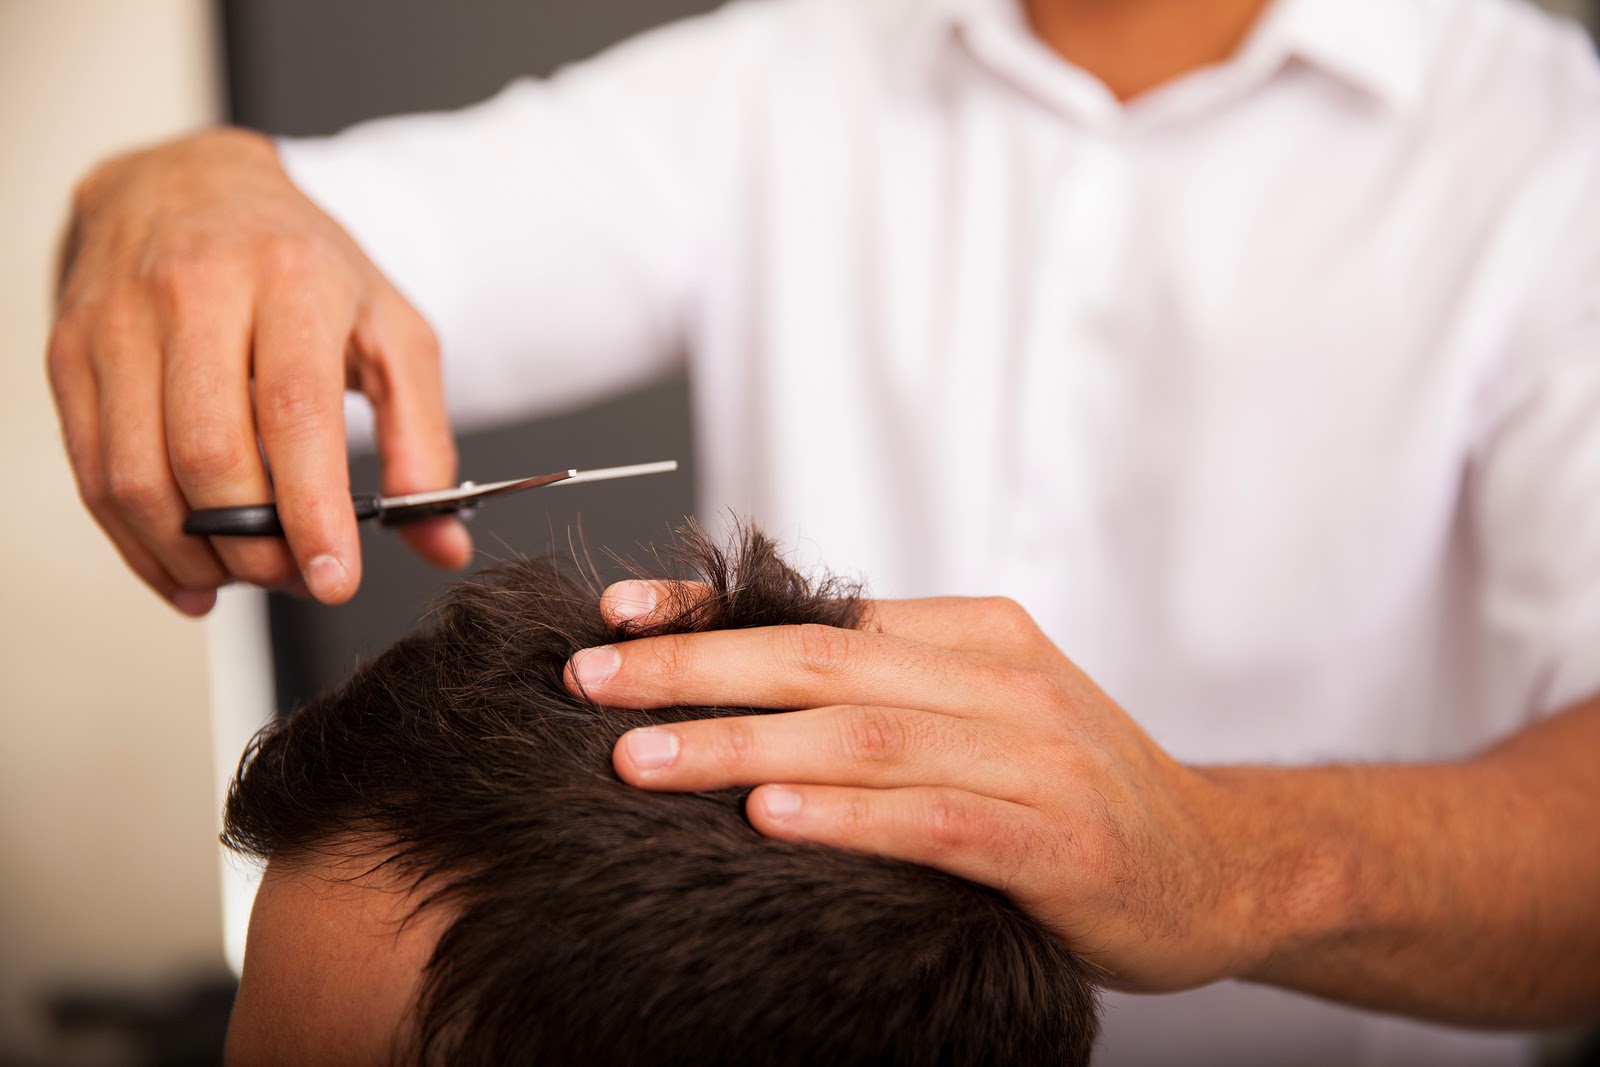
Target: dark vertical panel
{"type": "Point", "coordinates": [304, 67]}
{"type": "Point", "coordinates": [308, 67]}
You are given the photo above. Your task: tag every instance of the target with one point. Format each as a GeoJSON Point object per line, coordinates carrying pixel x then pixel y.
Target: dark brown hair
{"type": "Point", "coordinates": [596, 923]}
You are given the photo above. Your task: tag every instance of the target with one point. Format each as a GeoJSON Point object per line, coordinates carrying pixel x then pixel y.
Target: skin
{"type": "Point", "coordinates": [332, 965]}
{"type": "Point", "coordinates": [205, 304]}
{"type": "Point", "coordinates": [954, 734]}
{"type": "Point", "coordinates": [1135, 47]}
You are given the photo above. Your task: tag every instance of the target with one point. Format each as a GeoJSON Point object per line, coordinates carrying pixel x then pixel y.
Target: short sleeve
{"type": "Point", "coordinates": [552, 234]}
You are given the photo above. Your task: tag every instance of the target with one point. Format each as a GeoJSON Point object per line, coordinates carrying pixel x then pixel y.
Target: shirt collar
{"type": "Point", "coordinates": [1379, 47]}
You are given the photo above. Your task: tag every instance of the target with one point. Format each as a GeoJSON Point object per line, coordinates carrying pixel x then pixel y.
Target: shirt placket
{"type": "Point", "coordinates": [1067, 374]}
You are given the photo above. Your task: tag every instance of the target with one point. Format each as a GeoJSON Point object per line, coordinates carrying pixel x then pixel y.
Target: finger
{"type": "Point", "coordinates": [996, 627]}
{"type": "Point", "coordinates": [143, 494]}
{"type": "Point", "coordinates": [837, 745]}
{"type": "Point", "coordinates": [301, 332]}
{"type": "Point", "coordinates": [210, 419]}
{"type": "Point", "coordinates": [786, 667]}
{"type": "Point", "coordinates": [443, 541]}
{"type": "Point", "coordinates": [77, 401]}
{"type": "Point", "coordinates": [638, 603]}
{"type": "Point", "coordinates": [979, 838]}
{"type": "Point", "coordinates": [397, 368]}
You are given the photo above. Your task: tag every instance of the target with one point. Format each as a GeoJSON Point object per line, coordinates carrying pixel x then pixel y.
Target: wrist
{"type": "Point", "coordinates": [1290, 869]}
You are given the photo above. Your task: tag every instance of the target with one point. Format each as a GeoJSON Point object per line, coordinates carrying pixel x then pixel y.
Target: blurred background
{"type": "Point", "coordinates": [119, 720]}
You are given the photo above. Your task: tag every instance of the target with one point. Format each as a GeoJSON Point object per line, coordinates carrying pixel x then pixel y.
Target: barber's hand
{"type": "Point", "coordinates": [205, 305]}
{"type": "Point", "coordinates": [949, 733]}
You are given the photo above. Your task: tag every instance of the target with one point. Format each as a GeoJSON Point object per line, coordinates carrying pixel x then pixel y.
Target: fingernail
{"type": "Point", "coordinates": [596, 666]}
{"type": "Point", "coordinates": [194, 602]}
{"type": "Point", "coordinates": [778, 802]}
{"type": "Point", "coordinates": [325, 576]}
{"type": "Point", "coordinates": [650, 748]}
{"type": "Point", "coordinates": [632, 600]}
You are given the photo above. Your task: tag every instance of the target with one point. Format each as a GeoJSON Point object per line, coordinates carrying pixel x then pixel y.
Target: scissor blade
{"type": "Point", "coordinates": [467, 492]}
{"type": "Point", "coordinates": [414, 507]}
{"type": "Point", "coordinates": [604, 474]}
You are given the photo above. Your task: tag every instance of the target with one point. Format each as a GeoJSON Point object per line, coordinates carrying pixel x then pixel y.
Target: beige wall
{"type": "Point", "coordinates": [107, 867]}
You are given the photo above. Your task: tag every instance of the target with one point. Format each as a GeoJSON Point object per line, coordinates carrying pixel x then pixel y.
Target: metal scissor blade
{"type": "Point", "coordinates": [634, 470]}
{"type": "Point", "coordinates": [466, 492]}
{"type": "Point", "coordinates": [416, 506]}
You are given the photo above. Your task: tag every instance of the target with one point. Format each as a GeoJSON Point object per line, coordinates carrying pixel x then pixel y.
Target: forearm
{"type": "Point", "coordinates": [1465, 892]}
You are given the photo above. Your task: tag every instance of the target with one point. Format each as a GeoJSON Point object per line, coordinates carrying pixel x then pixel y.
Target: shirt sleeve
{"type": "Point", "coordinates": [551, 235]}
{"type": "Point", "coordinates": [1533, 486]}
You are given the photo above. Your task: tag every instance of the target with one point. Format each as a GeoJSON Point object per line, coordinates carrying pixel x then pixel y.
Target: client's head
{"type": "Point", "coordinates": [456, 875]}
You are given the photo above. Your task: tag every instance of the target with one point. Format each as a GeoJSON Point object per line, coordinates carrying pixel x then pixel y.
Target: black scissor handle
{"type": "Point", "coordinates": [259, 520]}
{"type": "Point", "coordinates": [250, 520]}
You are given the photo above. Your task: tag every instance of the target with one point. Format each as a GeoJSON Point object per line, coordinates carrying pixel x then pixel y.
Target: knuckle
{"type": "Point", "coordinates": [874, 735]}
{"type": "Point", "coordinates": [819, 649]}
{"type": "Point", "coordinates": [1007, 616]}
{"type": "Point", "coordinates": [118, 315]}
{"type": "Point", "coordinates": [293, 260]}
{"type": "Point", "coordinates": [94, 492]}
{"type": "Point", "coordinates": [308, 516]}
{"type": "Point", "coordinates": [1007, 622]}
{"type": "Point", "coordinates": [292, 400]}
{"type": "Point", "coordinates": [65, 350]}
{"type": "Point", "coordinates": [948, 822]}
{"type": "Point", "coordinates": [182, 279]}
{"type": "Point", "coordinates": [1037, 689]}
{"type": "Point", "coordinates": [736, 743]}
{"type": "Point", "coordinates": [208, 452]}
{"type": "Point", "coordinates": [856, 816]}
{"type": "Point", "coordinates": [673, 654]}
{"type": "Point", "coordinates": [133, 491]}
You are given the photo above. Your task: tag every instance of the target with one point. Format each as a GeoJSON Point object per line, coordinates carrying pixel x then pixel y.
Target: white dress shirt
{"type": "Point", "coordinates": [1274, 394]}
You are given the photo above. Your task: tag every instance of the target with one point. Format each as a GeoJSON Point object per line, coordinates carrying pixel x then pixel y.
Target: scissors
{"type": "Point", "coordinates": [261, 520]}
